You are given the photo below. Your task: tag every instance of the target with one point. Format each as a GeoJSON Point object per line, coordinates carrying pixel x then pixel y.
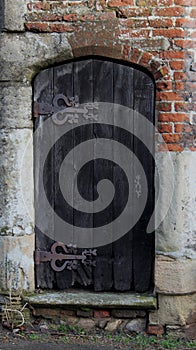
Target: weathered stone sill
{"type": "Point", "coordinates": [93, 299]}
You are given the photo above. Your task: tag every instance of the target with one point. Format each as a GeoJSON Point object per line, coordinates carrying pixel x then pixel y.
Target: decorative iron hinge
{"type": "Point", "coordinates": [40, 108]}
{"type": "Point", "coordinates": [69, 256]}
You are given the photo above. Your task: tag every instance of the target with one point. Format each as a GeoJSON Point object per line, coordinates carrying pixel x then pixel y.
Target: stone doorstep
{"type": "Point", "coordinates": [92, 299]}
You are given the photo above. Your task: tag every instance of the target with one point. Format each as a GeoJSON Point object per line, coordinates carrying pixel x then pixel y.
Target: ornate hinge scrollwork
{"type": "Point", "coordinates": [68, 256]}
{"type": "Point", "coordinates": [41, 108]}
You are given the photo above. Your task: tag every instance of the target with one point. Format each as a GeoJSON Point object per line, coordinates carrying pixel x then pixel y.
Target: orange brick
{"type": "Point", "coordinates": [164, 85]}
{"type": "Point", "coordinates": [169, 96]}
{"type": "Point", "coordinates": [173, 117]}
{"type": "Point", "coordinates": [164, 128]}
{"type": "Point", "coordinates": [172, 138]}
{"type": "Point", "coordinates": [183, 128]}
{"type": "Point", "coordinates": [174, 148]}
{"type": "Point", "coordinates": [177, 65]}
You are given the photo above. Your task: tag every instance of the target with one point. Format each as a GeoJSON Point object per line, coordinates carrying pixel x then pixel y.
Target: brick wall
{"type": "Point", "coordinates": [157, 34]}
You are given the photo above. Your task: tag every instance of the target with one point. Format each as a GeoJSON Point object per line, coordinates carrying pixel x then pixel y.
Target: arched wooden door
{"type": "Point", "coordinates": [127, 263]}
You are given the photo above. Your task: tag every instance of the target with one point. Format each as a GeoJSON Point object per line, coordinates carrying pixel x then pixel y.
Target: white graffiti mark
{"type": "Point", "coordinates": [138, 186]}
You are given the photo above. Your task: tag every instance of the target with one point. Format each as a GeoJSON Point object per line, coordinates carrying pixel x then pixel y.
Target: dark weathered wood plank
{"type": "Point", "coordinates": [43, 92]}
{"type": "Point", "coordinates": [83, 88]}
{"type": "Point", "coordinates": [63, 84]}
{"type": "Point", "coordinates": [103, 92]}
{"type": "Point", "coordinates": [143, 243]}
{"type": "Point", "coordinates": [122, 248]}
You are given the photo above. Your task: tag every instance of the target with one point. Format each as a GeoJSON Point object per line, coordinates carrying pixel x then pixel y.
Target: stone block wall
{"type": "Point", "coordinates": [158, 35]}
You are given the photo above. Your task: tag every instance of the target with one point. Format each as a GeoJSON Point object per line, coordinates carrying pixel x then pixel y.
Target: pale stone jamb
{"type": "Point", "coordinates": [14, 13]}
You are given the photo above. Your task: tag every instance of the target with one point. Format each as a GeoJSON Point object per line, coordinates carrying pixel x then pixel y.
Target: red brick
{"type": "Point", "coordinates": [185, 23]}
{"type": "Point", "coordinates": [162, 147]}
{"type": "Point", "coordinates": [164, 106]}
{"type": "Point", "coordinates": [183, 128]}
{"type": "Point", "coordinates": [126, 50]}
{"type": "Point", "coordinates": [193, 13]}
{"type": "Point", "coordinates": [60, 28]}
{"type": "Point", "coordinates": [155, 329]}
{"type": "Point", "coordinates": [169, 33]}
{"type": "Point", "coordinates": [146, 57]}
{"type": "Point", "coordinates": [180, 76]}
{"type": "Point", "coordinates": [72, 17]}
{"type": "Point", "coordinates": [179, 85]}
{"type": "Point", "coordinates": [37, 27]}
{"type": "Point", "coordinates": [134, 55]}
{"type": "Point", "coordinates": [184, 107]}
{"type": "Point", "coordinates": [118, 3]}
{"type": "Point", "coordinates": [87, 18]}
{"type": "Point", "coordinates": [172, 54]}
{"type": "Point", "coordinates": [137, 12]}
{"type": "Point", "coordinates": [172, 147]}
{"type": "Point", "coordinates": [161, 23]}
{"type": "Point", "coordinates": [41, 6]}
{"type": "Point", "coordinates": [169, 12]}
{"type": "Point", "coordinates": [67, 313]}
{"type": "Point", "coordinates": [172, 138]}
{"type": "Point", "coordinates": [101, 313]}
{"type": "Point", "coordinates": [164, 85]}
{"type": "Point", "coordinates": [133, 23]}
{"type": "Point", "coordinates": [154, 67]}
{"type": "Point", "coordinates": [177, 65]}
{"type": "Point", "coordinates": [44, 17]}
{"type": "Point", "coordinates": [184, 44]}
{"type": "Point", "coordinates": [164, 128]}
{"type": "Point", "coordinates": [169, 96]}
{"type": "Point", "coordinates": [164, 71]}
{"type": "Point", "coordinates": [173, 117]}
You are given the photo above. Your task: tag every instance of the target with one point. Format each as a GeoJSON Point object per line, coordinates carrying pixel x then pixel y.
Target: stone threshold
{"type": "Point", "coordinates": [134, 301]}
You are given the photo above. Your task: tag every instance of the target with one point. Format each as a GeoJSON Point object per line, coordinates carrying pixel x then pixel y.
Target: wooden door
{"type": "Point", "coordinates": [127, 263]}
